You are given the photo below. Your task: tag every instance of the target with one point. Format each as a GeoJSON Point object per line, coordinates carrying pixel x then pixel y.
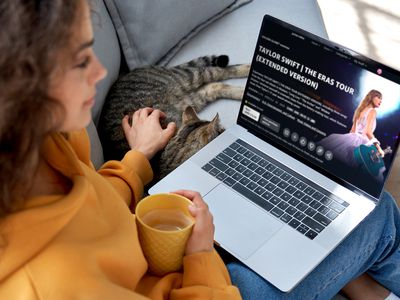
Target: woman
{"type": "Point", "coordinates": [66, 231]}
{"type": "Point", "coordinates": [361, 133]}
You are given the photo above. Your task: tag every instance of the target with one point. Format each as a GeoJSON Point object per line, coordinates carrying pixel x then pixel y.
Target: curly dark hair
{"type": "Point", "coordinates": [33, 35]}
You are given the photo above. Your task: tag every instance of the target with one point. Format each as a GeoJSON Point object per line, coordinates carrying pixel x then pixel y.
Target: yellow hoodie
{"type": "Point", "coordinates": [84, 245]}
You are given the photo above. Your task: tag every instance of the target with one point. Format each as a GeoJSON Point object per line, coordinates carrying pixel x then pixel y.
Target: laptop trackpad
{"type": "Point", "coordinates": [241, 227]}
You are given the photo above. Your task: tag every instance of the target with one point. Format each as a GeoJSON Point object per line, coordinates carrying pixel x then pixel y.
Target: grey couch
{"type": "Point", "coordinates": [231, 31]}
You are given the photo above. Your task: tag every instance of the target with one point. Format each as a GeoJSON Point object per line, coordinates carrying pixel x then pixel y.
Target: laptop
{"type": "Point", "coordinates": [282, 195]}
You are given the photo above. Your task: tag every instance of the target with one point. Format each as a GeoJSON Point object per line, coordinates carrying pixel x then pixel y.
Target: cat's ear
{"type": "Point", "coordinates": [189, 114]}
{"type": "Point", "coordinates": [214, 124]}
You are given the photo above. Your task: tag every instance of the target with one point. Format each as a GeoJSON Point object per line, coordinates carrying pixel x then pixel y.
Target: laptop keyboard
{"type": "Point", "coordinates": [285, 194]}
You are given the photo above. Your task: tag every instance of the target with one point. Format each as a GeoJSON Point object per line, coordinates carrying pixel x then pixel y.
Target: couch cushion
{"type": "Point", "coordinates": [108, 51]}
{"type": "Point", "coordinates": [152, 31]}
{"type": "Point", "coordinates": [236, 35]}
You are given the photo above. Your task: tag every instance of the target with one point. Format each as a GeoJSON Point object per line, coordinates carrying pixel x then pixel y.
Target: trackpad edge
{"type": "Point", "coordinates": [241, 227]}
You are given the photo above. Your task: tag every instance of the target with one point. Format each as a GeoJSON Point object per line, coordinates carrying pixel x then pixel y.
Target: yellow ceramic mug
{"type": "Point", "coordinates": [164, 225]}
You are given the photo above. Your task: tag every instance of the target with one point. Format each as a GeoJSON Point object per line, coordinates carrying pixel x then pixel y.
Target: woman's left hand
{"type": "Point", "coordinates": [381, 153]}
{"type": "Point", "coordinates": [145, 134]}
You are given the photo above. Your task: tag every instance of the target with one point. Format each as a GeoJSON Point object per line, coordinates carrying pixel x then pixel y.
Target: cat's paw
{"type": "Point", "coordinates": [221, 61]}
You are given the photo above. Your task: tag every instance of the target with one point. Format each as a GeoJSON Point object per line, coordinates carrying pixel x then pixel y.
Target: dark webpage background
{"type": "Point", "coordinates": [313, 110]}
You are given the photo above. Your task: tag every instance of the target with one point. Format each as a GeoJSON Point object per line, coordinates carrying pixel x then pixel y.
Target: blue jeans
{"type": "Point", "coordinates": [373, 247]}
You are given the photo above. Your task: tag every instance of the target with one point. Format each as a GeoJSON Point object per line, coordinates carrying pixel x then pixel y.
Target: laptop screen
{"type": "Point", "coordinates": [331, 108]}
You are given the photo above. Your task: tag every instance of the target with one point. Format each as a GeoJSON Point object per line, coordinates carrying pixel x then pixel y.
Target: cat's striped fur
{"type": "Point", "coordinates": [170, 89]}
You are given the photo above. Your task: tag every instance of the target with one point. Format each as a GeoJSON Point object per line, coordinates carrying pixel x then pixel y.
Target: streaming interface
{"type": "Point", "coordinates": [331, 108]}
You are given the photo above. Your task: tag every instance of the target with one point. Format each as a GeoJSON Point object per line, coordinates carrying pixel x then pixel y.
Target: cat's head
{"type": "Point", "coordinates": [192, 135]}
{"type": "Point", "coordinates": [196, 131]}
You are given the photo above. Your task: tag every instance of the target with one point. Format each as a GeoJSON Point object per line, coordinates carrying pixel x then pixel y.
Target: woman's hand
{"type": "Point", "coordinates": [202, 237]}
{"type": "Point", "coordinates": [380, 151]}
{"type": "Point", "coordinates": [145, 134]}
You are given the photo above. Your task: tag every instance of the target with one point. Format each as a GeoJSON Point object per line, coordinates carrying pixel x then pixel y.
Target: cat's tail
{"type": "Point", "coordinates": [208, 61]}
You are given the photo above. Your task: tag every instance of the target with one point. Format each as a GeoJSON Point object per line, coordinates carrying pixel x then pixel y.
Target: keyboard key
{"type": "Point", "coordinates": [229, 152]}
{"type": "Point", "coordinates": [321, 219]}
{"type": "Point", "coordinates": [336, 207]}
{"type": "Point", "coordinates": [332, 215]}
{"type": "Point", "coordinates": [270, 186]}
{"type": "Point", "coordinates": [267, 195]}
{"type": "Point", "coordinates": [267, 175]}
{"type": "Point", "coordinates": [214, 172]}
{"type": "Point", "coordinates": [263, 163]}
{"type": "Point", "coordinates": [233, 164]}
{"type": "Point", "coordinates": [306, 199]}
{"type": "Point", "coordinates": [240, 168]}
{"type": "Point", "coordinates": [252, 185]}
{"type": "Point", "coordinates": [291, 210]}
{"type": "Point", "coordinates": [312, 224]}
{"type": "Point", "coordinates": [302, 229]}
{"type": "Point", "coordinates": [244, 181]}
{"type": "Point", "coordinates": [255, 177]}
{"type": "Point", "coordinates": [207, 167]}
{"type": "Point", "coordinates": [286, 218]}
{"type": "Point", "coordinates": [252, 196]}
{"type": "Point", "coordinates": [315, 204]}
{"type": "Point", "coordinates": [234, 146]}
{"type": "Point", "coordinates": [252, 166]}
{"type": "Point", "coordinates": [286, 197]}
{"type": "Point", "coordinates": [325, 200]}
{"type": "Point", "coordinates": [218, 164]}
{"type": "Point", "coordinates": [301, 206]}
{"type": "Point", "coordinates": [277, 212]}
{"type": "Point", "coordinates": [222, 157]}
{"type": "Point", "coordinates": [260, 170]}
{"type": "Point", "coordinates": [298, 194]}
{"type": "Point", "coordinates": [293, 201]}
{"type": "Point", "coordinates": [229, 181]}
{"type": "Point", "coordinates": [230, 171]}
{"type": "Point", "coordinates": [255, 158]}
{"type": "Point", "coordinates": [317, 195]}
{"type": "Point", "coordinates": [270, 167]}
{"type": "Point", "coordinates": [275, 180]}
{"type": "Point", "coordinates": [248, 154]}
{"type": "Point", "coordinates": [238, 157]}
{"type": "Point", "coordinates": [259, 191]}
{"type": "Point", "coordinates": [262, 182]}
{"type": "Point", "coordinates": [285, 176]}
{"type": "Point", "coordinates": [245, 161]}
{"type": "Point", "coordinates": [241, 150]}
{"type": "Point", "coordinates": [323, 209]}
{"type": "Point", "coordinates": [293, 181]}
{"type": "Point", "coordinates": [299, 215]}
{"type": "Point", "coordinates": [237, 176]}
{"type": "Point", "coordinates": [309, 190]}
{"type": "Point", "coordinates": [294, 223]}
{"type": "Point", "coordinates": [290, 189]}
{"type": "Point", "coordinates": [247, 173]}
{"type": "Point", "coordinates": [283, 184]}
{"type": "Point", "coordinates": [311, 234]}
{"type": "Point", "coordinates": [221, 176]}
{"type": "Point", "coordinates": [278, 171]}
{"type": "Point", "coordinates": [283, 205]}
{"type": "Point", "coordinates": [274, 200]}
{"type": "Point", "coordinates": [310, 212]}
{"type": "Point", "coordinates": [301, 185]}
{"type": "Point", "coordinates": [277, 191]}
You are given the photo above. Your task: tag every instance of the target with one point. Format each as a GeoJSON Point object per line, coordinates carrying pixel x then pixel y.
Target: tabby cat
{"type": "Point", "coordinates": [178, 91]}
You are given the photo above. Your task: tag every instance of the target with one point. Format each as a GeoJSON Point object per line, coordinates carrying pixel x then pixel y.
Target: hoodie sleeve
{"type": "Point", "coordinates": [129, 175]}
{"type": "Point", "coordinates": [205, 277]}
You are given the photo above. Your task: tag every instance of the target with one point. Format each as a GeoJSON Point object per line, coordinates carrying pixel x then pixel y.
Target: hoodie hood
{"type": "Point", "coordinates": [25, 233]}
